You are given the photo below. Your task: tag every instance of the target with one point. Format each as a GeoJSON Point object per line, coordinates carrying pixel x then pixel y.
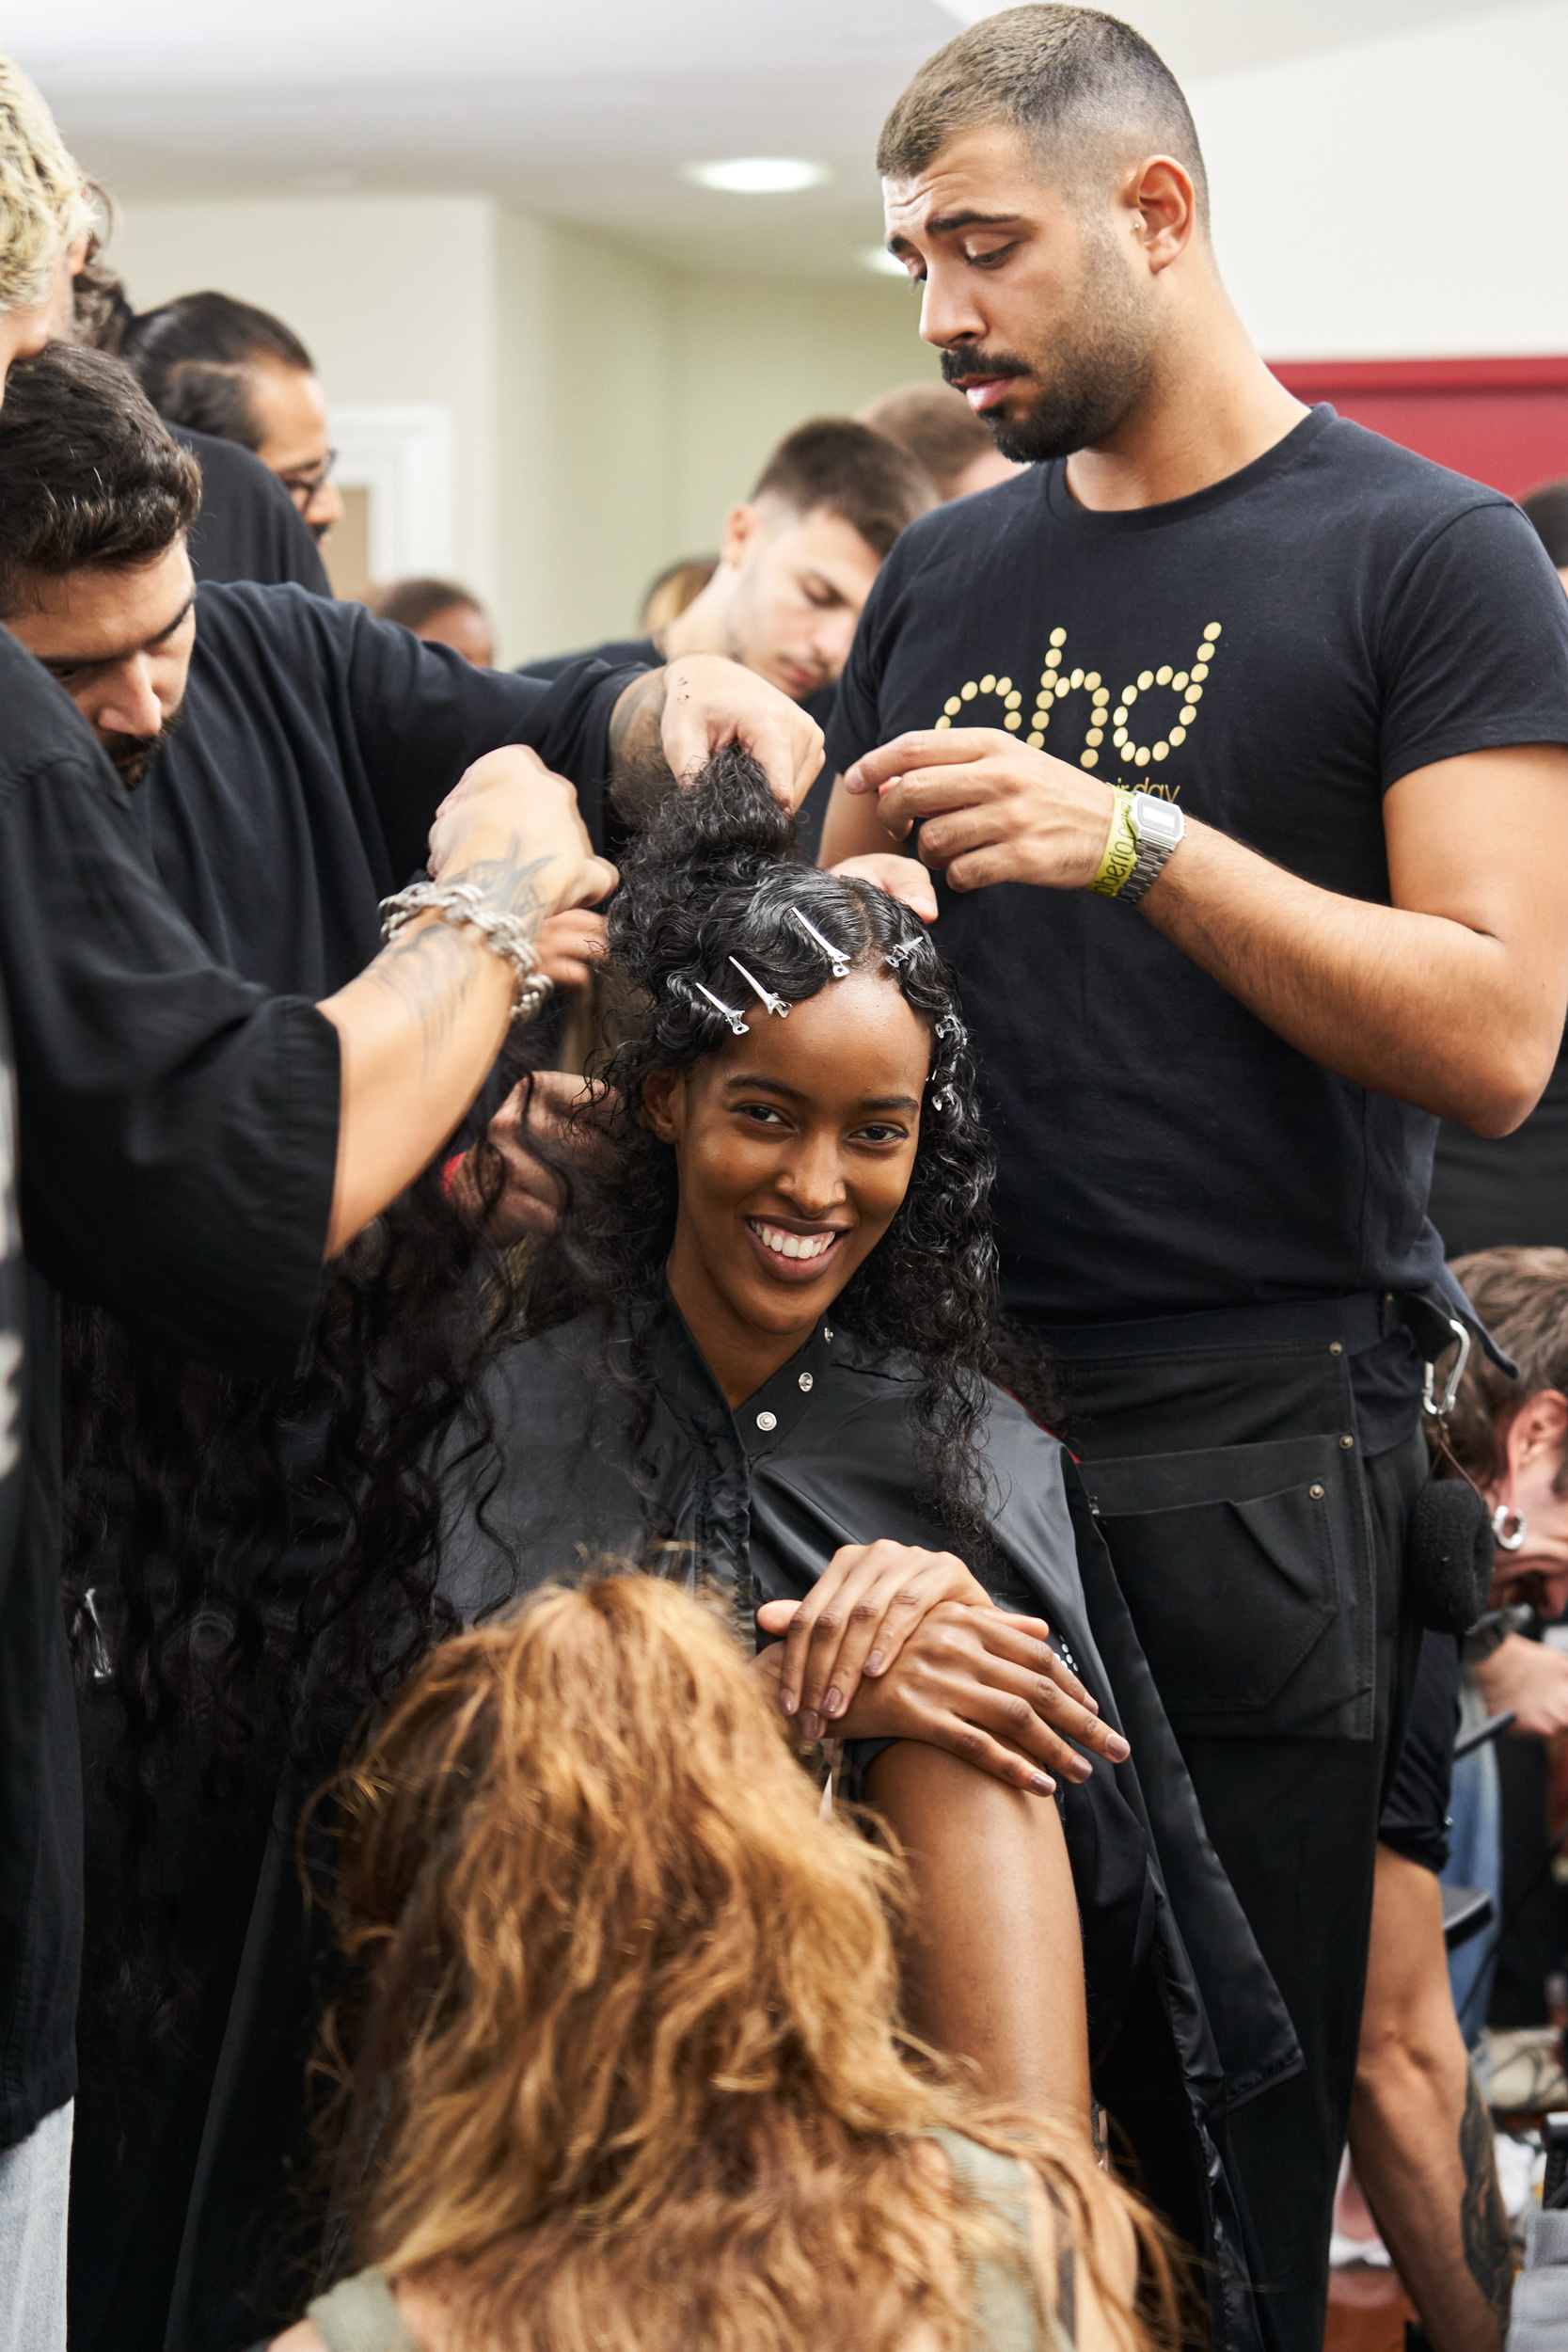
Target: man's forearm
{"type": "Point", "coordinates": [419, 1030]}
{"type": "Point", "coordinates": [1415, 1006]}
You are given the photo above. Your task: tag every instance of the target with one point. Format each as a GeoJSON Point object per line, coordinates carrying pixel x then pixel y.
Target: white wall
{"type": "Point", "coordinates": [1401, 198]}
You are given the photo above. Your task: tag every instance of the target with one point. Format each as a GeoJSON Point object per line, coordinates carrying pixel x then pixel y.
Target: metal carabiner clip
{"type": "Point", "coordinates": [1461, 1332]}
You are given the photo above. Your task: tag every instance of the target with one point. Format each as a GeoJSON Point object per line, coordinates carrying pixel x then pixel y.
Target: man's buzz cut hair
{"type": "Point", "coordinates": [855, 473]}
{"type": "Point", "coordinates": [43, 199]}
{"type": "Point", "coordinates": [89, 474]}
{"type": "Point", "coordinates": [1087, 89]}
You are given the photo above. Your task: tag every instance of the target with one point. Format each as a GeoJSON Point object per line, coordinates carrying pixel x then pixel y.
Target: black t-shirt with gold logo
{"type": "Point", "coordinates": [1273, 654]}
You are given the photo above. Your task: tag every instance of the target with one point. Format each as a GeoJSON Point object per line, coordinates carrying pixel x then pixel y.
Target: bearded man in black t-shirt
{"type": "Point", "coordinates": [1337, 680]}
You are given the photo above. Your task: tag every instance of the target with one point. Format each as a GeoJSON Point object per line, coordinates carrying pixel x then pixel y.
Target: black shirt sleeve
{"type": "Point", "coordinates": [421, 714]}
{"type": "Point", "coordinates": [1474, 643]}
{"type": "Point", "coordinates": [177, 1126]}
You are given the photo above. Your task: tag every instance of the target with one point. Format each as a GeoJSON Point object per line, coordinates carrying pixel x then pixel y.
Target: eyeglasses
{"type": "Point", "coordinates": [302, 487]}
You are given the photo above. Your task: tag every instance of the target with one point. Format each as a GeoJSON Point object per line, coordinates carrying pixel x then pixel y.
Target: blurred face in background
{"type": "Point", "coordinates": [465, 626]}
{"type": "Point", "coordinates": [288, 411]}
{"type": "Point", "coordinates": [789, 591]}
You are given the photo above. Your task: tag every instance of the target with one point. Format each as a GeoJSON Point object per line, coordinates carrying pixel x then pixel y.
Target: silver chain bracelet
{"type": "Point", "coordinates": [463, 904]}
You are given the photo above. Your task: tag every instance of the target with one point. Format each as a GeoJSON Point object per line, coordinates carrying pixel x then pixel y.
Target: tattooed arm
{"type": "Point", "coordinates": [421, 1026]}
{"type": "Point", "coordinates": [671, 721]}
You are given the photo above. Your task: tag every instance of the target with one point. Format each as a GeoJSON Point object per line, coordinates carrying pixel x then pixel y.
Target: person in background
{"type": "Point", "coordinates": [1490, 1192]}
{"type": "Point", "coordinates": [677, 585]}
{"type": "Point", "coordinates": [1419, 2135]}
{"type": "Point", "coordinates": [936, 427]}
{"type": "Point", "coordinates": [225, 368]}
{"type": "Point", "coordinates": [727, 2141]}
{"type": "Point", "coordinates": [441, 613]}
{"type": "Point", "coordinates": [796, 563]}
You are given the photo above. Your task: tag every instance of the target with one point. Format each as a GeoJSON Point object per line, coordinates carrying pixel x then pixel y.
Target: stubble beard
{"type": "Point", "coordinates": [1092, 373]}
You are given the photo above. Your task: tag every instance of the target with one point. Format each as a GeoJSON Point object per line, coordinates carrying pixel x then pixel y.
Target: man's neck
{"type": "Point", "coordinates": [702, 628]}
{"type": "Point", "coordinates": [1212, 408]}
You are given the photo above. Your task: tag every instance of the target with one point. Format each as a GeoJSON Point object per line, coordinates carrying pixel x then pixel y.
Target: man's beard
{"type": "Point", "coordinates": [131, 754]}
{"type": "Point", "coordinates": [1099, 367]}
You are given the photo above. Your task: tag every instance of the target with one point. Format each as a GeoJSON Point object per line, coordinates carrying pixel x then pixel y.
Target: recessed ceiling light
{"type": "Point", "coordinates": [758, 175]}
{"type": "Point", "coordinates": [886, 264]}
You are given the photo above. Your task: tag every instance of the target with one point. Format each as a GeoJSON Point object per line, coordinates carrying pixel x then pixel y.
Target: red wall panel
{"type": "Point", "coordinates": [1503, 421]}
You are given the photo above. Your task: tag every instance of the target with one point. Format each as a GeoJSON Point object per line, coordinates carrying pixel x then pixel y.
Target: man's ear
{"type": "Point", "coordinates": [1539, 1427]}
{"type": "Point", "coordinates": [664, 1104]}
{"type": "Point", "coordinates": [743, 528]}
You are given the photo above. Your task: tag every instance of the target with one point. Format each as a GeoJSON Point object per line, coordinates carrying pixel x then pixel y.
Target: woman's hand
{"type": "Point", "coordinates": [982, 1684]}
{"type": "Point", "coordinates": [855, 1620]}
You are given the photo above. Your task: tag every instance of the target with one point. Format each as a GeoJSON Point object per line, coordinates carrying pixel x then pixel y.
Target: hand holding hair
{"type": "Point", "coordinates": [903, 878]}
{"type": "Point", "coordinates": [710, 702]}
{"type": "Point", "coordinates": [989, 809]}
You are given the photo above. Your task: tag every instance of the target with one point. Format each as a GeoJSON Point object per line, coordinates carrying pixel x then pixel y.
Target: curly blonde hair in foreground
{"type": "Point", "coordinates": [43, 197]}
{"type": "Point", "coordinates": [636, 2003]}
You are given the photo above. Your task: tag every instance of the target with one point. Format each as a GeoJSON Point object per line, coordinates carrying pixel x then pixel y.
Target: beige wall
{"type": "Point", "coordinates": [608, 411]}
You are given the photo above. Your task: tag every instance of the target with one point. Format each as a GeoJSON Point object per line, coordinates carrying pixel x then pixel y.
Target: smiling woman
{"type": "Point", "coordinates": [765, 1354]}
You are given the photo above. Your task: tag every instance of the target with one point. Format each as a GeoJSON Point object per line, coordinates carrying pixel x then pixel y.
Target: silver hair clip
{"type": "Point", "coordinates": [950, 1029]}
{"type": "Point", "coordinates": [736, 1020]}
{"type": "Point", "coordinates": [944, 1100]}
{"type": "Point", "coordinates": [764, 996]}
{"type": "Point", "coordinates": [836, 956]}
{"type": "Point", "coordinates": [896, 956]}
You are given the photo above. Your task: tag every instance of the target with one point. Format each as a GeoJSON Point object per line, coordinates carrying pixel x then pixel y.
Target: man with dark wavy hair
{"type": "Point", "coordinates": [1295, 703]}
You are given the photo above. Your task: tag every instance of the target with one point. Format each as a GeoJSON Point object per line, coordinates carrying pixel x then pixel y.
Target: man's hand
{"type": "Point", "coordinates": [682, 714]}
{"type": "Point", "coordinates": [570, 946]}
{"type": "Point", "coordinates": [515, 829]}
{"type": "Point", "coordinates": [1529, 1681]}
{"type": "Point", "coordinates": [989, 809]}
{"type": "Point", "coordinates": [902, 878]}
{"type": "Point", "coordinates": [982, 1684]}
{"type": "Point", "coordinates": [561, 1109]}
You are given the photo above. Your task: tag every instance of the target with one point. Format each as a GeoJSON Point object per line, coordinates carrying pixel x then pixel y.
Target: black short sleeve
{"type": "Point", "coordinates": [1474, 650]}
{"type": "Point", "coordinates": [177, 1126]}
{"type": "Point", "coordinates": [852, 728]}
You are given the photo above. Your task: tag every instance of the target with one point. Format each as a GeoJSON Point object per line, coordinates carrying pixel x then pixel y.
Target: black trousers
{"type": "Point", "coordinates": [1260, 1552]}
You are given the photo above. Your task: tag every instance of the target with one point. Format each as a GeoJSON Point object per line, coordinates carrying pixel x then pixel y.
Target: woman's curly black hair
{"type": "Point", "coordinates": [714, 883]}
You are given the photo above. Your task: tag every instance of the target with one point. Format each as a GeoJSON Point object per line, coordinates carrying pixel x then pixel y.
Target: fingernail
{"type": "Point", "coordinates": [1116, 1748]}
{"type": "Point", "coordinates": [1092, 1706]}
{"type": "Point", "coordinates": [788, 1701]}
{"type": "Point", "coordinates": [1081, 1768]}
{"type": "Point", "coordinates": [874, 1664]}
{"type": "Point", "coordinates": [1040, 1787]}
{"type": "Point", "coordinates": [811, 1724]}
{"type": "Point", "coordinates": [834, 1703]}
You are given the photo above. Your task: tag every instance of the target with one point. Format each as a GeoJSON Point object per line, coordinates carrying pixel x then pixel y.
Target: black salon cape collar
{"type": "Point", "coordinates": [827, 1453]}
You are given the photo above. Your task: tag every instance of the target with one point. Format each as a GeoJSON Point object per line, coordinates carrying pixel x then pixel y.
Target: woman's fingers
{"type": "Point", "coordinates": [1057, 1695]}
{"type": "Point", "coordinates": [857, 1618]}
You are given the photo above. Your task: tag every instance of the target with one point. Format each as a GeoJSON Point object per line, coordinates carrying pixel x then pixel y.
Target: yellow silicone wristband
{"type": "Point", "coordinates": [1121, 849]}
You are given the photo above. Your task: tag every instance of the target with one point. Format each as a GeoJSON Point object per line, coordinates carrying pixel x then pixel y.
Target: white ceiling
{"type": "Point", "coordinates": [582, 112]}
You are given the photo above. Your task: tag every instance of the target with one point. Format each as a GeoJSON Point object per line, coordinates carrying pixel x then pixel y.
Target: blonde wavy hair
{"type": "Point", "coordinates": [43, 197]}
{"type": "Point", "coordinates": [630, 2068]}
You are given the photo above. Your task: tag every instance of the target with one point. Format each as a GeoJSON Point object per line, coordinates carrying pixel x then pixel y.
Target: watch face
{"type": "Point", "coordinates": [1156, 820]}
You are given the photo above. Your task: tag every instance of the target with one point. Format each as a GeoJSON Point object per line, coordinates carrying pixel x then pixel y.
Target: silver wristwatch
{"type": "Point", "coordinates": [1157, 827]}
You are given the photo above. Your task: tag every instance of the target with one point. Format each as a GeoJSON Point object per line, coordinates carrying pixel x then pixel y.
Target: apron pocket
{"type": "Point", "coordinates": [1241, 1569]}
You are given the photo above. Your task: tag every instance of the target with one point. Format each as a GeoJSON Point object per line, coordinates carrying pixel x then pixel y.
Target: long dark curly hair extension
{"type": "Point", "coordinates": [251, 1565]}
{"type": "Point", "coordinates": [714, 876]}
